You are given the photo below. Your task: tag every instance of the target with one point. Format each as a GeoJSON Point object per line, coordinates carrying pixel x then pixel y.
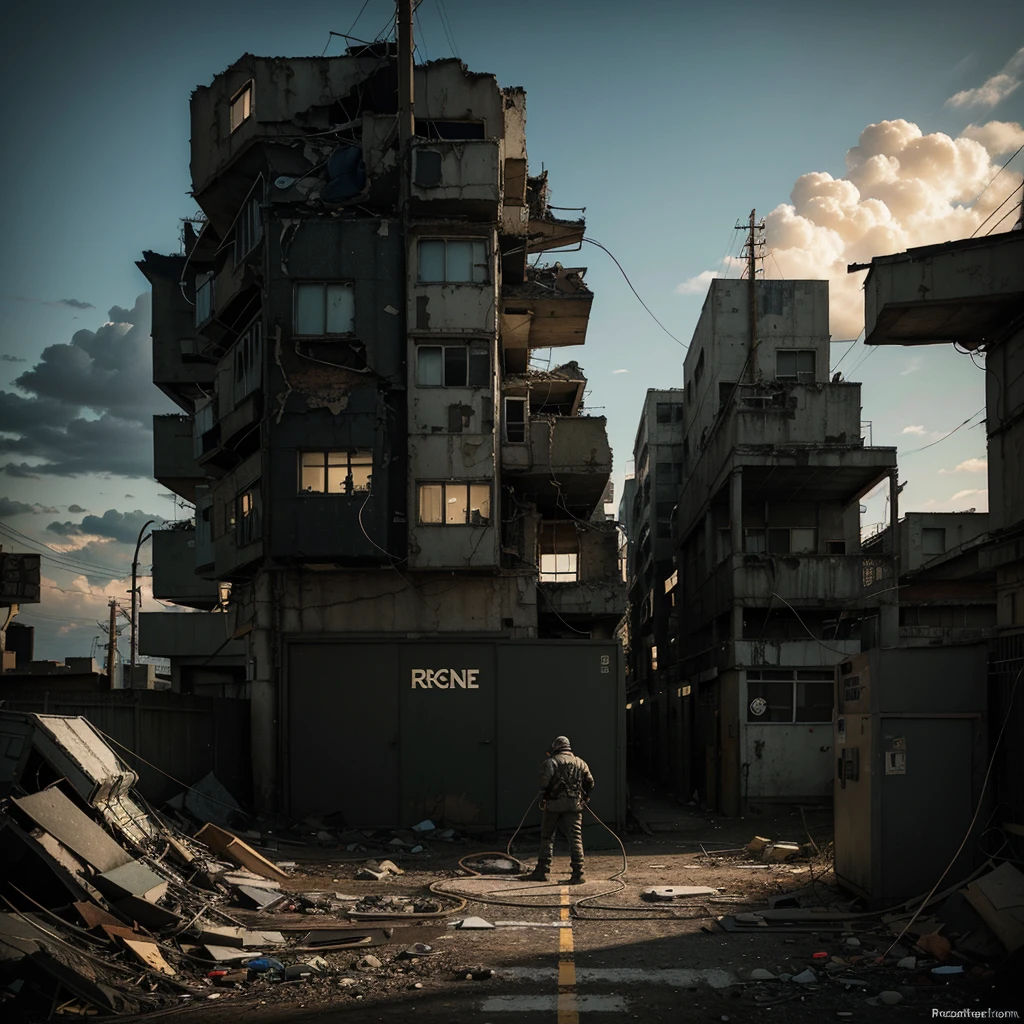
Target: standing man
{"type": "Point", "coordinates": [565, 785]}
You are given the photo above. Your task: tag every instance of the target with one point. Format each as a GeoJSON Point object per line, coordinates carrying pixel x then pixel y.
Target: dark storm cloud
{"type": "Point", "coordinates": [9, 507]}
{"type": "Point", "coordinates": [106, 372]}
{"type": "Point", "coordinates": [59, 303]}
{"type": "Point", "coordinates": [122, 527]}
{"type": "Point", "coordinates": [76, 509]}
{"type": "Point", "coordinates": [7, 358]}
{"type": "Point", "coordinates": [75, 304]}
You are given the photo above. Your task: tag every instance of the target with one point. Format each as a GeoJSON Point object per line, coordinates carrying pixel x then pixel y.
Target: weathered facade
{"type": "Point", "coordinates": [970, 293]}
{"type": "Point", "coordinates": [370, 453]}
{"type": "Point", "coordinates": [770, 585]}
{"type": "Point", "coordinates": [657, 481]}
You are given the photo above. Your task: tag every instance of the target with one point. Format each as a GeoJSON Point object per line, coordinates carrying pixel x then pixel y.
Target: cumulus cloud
{"type": "Point", "coordinates": [994, 89]}
{"type": "Point", "coordinates": [998, 137]}
{"type": "Point", "coordinates": [978, 493]}
{"type": "Point", "coordinates": [914, 428]}
{"type": "Point", "coordinates": [968, 466]}
{"type": "Point", "coordinates": [73, 509]}
{"type": "Point", "coordinates": [697, 285]}
{"type": "Point", "coordinates": [86, 406]}
{"type": "Point", "coordinates": [902, 189]}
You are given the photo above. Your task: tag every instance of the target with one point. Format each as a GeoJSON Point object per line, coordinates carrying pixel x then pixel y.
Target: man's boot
{"type": "Point", "coordinates": [539, 874]}
{"type": "Point", "coordinates": [578, 877]}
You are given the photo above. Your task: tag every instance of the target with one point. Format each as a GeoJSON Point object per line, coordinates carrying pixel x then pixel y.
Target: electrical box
{"type": "Point", "coordinates": [909, 737]}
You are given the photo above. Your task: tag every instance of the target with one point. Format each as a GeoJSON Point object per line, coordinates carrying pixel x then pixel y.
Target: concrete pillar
{"type": "Point", "coordinates": [736, 511]}
{"type": "Point", "coordinates": [264, 700]}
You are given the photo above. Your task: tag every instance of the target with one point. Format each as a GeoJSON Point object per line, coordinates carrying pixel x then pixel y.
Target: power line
{"type": "Point", "coordinates": [996, 175]}
{"type": "Point", "coordinates": [636, 293]}
{"type": "Point", "coordinates": [52, 554]}
{"type": "Point", "coordinates": [1009, 213]}
{"type": "Point", "coordinates": [903, 455]}
{"type": "Point", "coordinates": [442, 13]}
{"type": "Point", "coordinates": [995, 211]}
{"type": "Point", "coordinates": [847, 352]}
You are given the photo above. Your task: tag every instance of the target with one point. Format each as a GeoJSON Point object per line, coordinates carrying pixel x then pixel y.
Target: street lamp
{"type": "Point", "coordinates": [135, 602]}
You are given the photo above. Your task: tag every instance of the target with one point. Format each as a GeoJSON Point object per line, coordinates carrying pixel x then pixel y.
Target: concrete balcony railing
{"type": "Point", "coordinates": [805, 581]}
{"type": "Point", "coordinates": [174, 463]}
{"type": "Point", "coordinates": [461, 176]}
{"type": "Point", "coordinates": [174, 570]}
{"type": "Point", "coordinates": [584, 599]}
{"type": "Point", "coordinates": [786, 413]}
{"type": "Point", "coordinates": [202, 635]}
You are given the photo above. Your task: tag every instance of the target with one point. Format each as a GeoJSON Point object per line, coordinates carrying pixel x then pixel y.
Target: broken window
{"type": "Point", "coordinates": [559, 568]}
{"type": "Point", "coordinates": [248, 360]}
{"type": "Point", "coordinates": [933, 541]}
{"type": "Point", "coordinates": [241, 106]}
{"type": "Point", "coordinates": [789, 695]}
{"type": "Point", "coordinates": [559, 553]}
{"type": "Point", "coordinates": [515, 420]}
{"type": "Point", "coordinates": [754, 542]}
{"type": "Point", "coordinates": [429, 166]}
{"type": "Point", "coordinates": [204, 297]}
{"type": "Point", "coordinates": [248, 230]}
{"type": "Point", "coordinates": [453, 366]}
{"type": "Point", "coordinates": [795, 365]}
{"type": "Point", "coordinates": [335, 472]}
{"type": "Point", "coordinates": [663, 412]}
{"type": "Point", "coordinates": [453, 261]}
{"type": "Point", "coordinates": [455, 504]}
{"type": "Point", "coordinates": [324, 308]}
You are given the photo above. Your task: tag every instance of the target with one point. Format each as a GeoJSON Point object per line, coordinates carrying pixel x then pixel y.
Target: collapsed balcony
{"type": "Point", "coordinates": [549, 310]}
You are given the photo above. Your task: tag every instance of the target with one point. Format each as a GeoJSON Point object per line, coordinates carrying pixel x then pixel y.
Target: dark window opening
{"type": "Point", "coordinates": [515, 420]}
{"type": "Point", "coordinates": [835, 547]}
{"type": "Point", "coordinates": [795, 365]}
{"type": "Point", "coordinates": [451, 130]}
{"type": "Point", "coordinates": [428, 167]}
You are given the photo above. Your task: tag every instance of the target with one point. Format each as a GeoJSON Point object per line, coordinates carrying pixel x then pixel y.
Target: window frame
{"type": "Point", "coordinates": [796, 677]}
{"type": "Point", "coordinates": [524, 400]}
{"type": "Point", "coordinates": [324, 285]}
{"type": "Point", "coordinates": [245, 520]}
{"type": "Point", "coordinates": [798, 376]}
{"type": "Point", "coordinates": [247, 371]}
{"type": "Point", "coordinates": [932, 533]}
{"type": "Point", "coordinates": [471, 348]}
{"type": "Point", "coordinates": [248, 229]}
{"type": "Point", "coordinates": [445, 485]}
{"type": "Point", "coordinates": [205, 297]}
{"type": "Point", "coordinates": [327, 465]}
{"type": "Point", "coordinates": [446, 240]}
{"type": "Point", "coordinates": [244, 92]}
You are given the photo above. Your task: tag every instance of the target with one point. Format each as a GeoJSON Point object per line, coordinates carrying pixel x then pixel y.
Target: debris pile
{"type": "Point", "coordinates": [108, 907]}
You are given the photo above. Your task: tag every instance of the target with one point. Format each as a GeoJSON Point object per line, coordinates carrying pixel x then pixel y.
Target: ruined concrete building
{"type": "Point", "coordinates": [770, 587]}
{"type": "Point", "coordinates": [375, 463]}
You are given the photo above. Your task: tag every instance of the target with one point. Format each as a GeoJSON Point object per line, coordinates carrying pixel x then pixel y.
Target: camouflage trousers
{"type": "Point", "coordinates": [571, 825]}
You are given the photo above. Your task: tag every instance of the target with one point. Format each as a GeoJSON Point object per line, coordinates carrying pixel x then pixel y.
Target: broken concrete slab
{"type": "Point", "coordinates": [227, 954]}
{"type": "Point", "coordinates": [224, 843]}
{"type": "Point", "coordinates": [757, 845]}
{"type": "Point", "coordinates": [469, 923]}
{"type": "Point", "coordinates": [149, 953]}
{"type": "Point", "coordinates": [260, 898]}
{"type": "Point", "coordinates": [132, 879]}
{"type": "Point", "coordinates": [252, 940]}
{"type": "Point", "coordinates": [51, 810]}
{"type": "Point", "coordinates": [776, 853]}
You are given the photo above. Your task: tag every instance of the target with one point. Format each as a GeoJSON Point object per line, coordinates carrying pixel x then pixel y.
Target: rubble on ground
{"type": "Point", "coordinates": [110, 907]}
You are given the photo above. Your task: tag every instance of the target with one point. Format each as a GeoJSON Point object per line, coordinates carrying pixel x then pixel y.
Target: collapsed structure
{"type": "Point", "coordinates": [383, 482]}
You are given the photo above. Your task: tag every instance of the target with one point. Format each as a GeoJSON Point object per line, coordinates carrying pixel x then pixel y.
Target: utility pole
{"type": "Point", "coordinates": [406, 97]}
{"type": "Point", "coordinates": [135, 604]}
{"type": "Point", "coordinates": [752, 251]}
{"type": "Point", "coordinates": [112, 644]}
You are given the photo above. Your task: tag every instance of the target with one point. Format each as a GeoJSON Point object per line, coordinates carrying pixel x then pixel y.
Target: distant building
{"type": "Point", "coordinates": [769, 587]}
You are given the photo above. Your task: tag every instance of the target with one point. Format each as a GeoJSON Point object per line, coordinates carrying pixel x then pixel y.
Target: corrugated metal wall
{"type": "Point", "coordinates": [366, 737]}
{"type": "Point", "coordinates": [183, 736]}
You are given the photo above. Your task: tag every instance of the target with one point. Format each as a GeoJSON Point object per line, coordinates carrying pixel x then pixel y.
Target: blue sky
{"type": "Point", "coordinates": [667, 121]}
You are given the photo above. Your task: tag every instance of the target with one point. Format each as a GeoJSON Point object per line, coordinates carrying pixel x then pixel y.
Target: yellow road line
{"type": "Point", "coordinates": [568, 1004]}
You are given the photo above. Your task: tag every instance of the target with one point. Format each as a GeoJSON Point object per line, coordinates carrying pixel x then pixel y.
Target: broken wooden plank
{"type": "Point", "coordinates": [224, 843]}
